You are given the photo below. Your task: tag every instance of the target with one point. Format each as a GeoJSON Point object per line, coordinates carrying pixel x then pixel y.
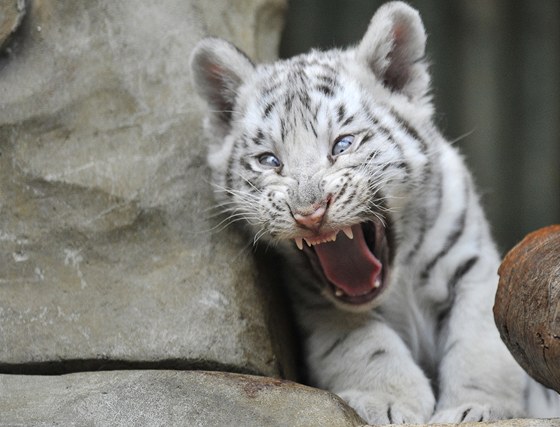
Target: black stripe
{"type": "Point", "coordinates": [272, 88]}
{"type": "Point", "coordinates": [465, 414]}
{"type": "Point", "coordinates": [461, 271]}
{"type": "Point", "coordinates": [246, 165]}
{"type": "Point", "coordinates": [347, 209]}
{"type": "Point", "coordinates": [369, 115]}
{"type": "Point", "coordinates": [368, 136]}
{"type": "Point", "coordinates": [372, 156]}
{"type": "Point", "coordinates": [443, 315]}
{"type": "Point", "coordinates": [410, 130]}
{"type": "Point", "coordinates": [350, 197]}
{"type": "Point", "coordinates": [313, 129]}
{"type": "Point", "coordinates": [449, 348]}
{"type": "Point", "coordinates": [342, 189]}
{"type": "Point", "coordinates": [277, 206]}
{"type": "Point", "coordinates": [288, 101]}
{"type": "Point", "coordinates": [376, 354]}
{"type": "Point", "coordinates": [397, 147]}
{"type": "Point", "coordinates": [477, 387]}
{"type": "Point", "coordinates": [425, 225]}
{"type": "Point", "coordinates": [229, 174]}
{"type": "Point", "coordinates": [327, 90]}
{"type": "Point", "coordinates": [329, 80]}
{"type": "Point", "coordinates": [341, 113]}
{"type": "Point", "coordinates": [451, 240]}
{"type": "Point", "coordinates": [336, 343]}
{"type": "Point", "coordinates": [282, 130]}
{"type": "Point", "coordinates": [422, 216]}
{"type": "Point", "coordinates": [348, 121]}
{"type": "Point", "coordinates": [268, 109]}
{"type": "Point", "coordinates": [396, 165]}
{"type": "Point", "coordinates": [305, 100]}
{"type": "Point", "coordinates": [257, 140]}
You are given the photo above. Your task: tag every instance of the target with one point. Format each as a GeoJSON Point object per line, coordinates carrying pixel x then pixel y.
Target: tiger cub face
{"type": "Point", "coordinates": [319, 150]}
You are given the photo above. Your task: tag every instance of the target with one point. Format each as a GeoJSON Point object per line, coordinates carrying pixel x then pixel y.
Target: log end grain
{"type": "Point", "coordinates": [527, 305]}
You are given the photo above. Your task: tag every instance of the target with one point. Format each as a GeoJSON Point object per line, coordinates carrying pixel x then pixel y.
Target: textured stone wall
{"type": "Point", "coordinates": [109, 256]}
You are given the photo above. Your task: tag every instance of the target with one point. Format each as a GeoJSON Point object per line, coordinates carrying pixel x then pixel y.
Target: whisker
{"type": "Point", "coordinates": [463, 136]}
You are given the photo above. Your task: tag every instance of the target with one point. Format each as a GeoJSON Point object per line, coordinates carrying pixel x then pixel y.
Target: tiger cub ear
{"type": "Point", "coordinates": [394, 47]}
{"type": "Point", "coordinates": [218, 70]}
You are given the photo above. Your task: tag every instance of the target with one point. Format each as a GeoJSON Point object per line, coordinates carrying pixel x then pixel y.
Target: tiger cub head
{"type": "Point", "coordinates": [318, 152]}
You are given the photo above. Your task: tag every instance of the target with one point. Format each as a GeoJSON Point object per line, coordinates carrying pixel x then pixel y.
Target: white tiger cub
{"type": "Point", "coordinates": [334, 158]}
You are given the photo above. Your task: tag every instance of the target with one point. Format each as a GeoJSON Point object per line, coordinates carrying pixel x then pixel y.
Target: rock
{"type": "Point", "coordinates": [527, 304]}
{"type": "Point", "coordinates": [111, 255]}
{"type": "Point", "coordinates": [173, 398]}
{"type": "Point", "coordinates": [11, 14]}
{"type": "Point", "coordinates": [167, 398]}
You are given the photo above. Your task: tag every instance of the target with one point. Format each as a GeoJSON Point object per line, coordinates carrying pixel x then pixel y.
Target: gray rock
{"type": "Point", "coordinates": [172, 398]}
{"type": "Point", "coordinates": [11, 14]}
{"type": "Point", "coordinates": [109, 253]}
{"type": "Point", "coordinates": [167, 398]}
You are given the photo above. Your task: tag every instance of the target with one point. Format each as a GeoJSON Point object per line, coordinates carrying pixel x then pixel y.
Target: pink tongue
{"type": "Point", "coordinates": [349, 264]}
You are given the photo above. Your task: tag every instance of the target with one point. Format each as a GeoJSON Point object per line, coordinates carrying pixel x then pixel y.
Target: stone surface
{"type": "Point", "coordinates": [167, 398]}
{"type": "Point", "coordinates": [11, 14]}
{"type": "Point", "coordinates": [172, 398]}
{"type": "Point", "coordinates": [109, 255]}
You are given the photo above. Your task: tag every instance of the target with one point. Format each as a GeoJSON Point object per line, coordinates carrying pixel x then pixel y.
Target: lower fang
{"type": "Point", "coordinates": [377, 283]}
{"type": "Point", "coordinates": [339, 292]}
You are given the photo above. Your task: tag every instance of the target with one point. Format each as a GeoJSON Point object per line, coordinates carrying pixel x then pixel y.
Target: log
{"type": "Point", "coordinates": [527, 305]}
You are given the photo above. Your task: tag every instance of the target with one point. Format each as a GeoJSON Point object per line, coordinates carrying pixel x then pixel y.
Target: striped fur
{"type": "Point", "coordinates": [425, 347]}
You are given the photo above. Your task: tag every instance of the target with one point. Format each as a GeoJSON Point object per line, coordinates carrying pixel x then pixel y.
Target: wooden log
{"type": "Point", "coordinates": [527, 305]}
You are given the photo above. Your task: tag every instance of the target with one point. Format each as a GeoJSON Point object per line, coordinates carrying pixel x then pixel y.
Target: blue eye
{"type": "Point", "coordinates": [342, 144]}
{"type": "Point", "coordinates": [269, 160]}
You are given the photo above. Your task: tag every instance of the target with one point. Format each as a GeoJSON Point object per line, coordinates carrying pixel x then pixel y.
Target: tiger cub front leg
{"type": "Point", "coordinates": [478, 379]}
{"type": "Point", "coordinates": [372, 370]}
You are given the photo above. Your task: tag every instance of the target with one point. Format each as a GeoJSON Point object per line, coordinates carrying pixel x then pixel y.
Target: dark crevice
{"type": "Point", "coordinates": [62, 367]}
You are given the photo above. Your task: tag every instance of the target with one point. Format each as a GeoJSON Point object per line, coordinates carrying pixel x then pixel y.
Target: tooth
{"type": "Point", "coordinates": [377, 283]}
{"type": "Point", "coordinates": [308, 243]}
{"type": "Point", "coordinates": [348, 232]}
{"type": "Point", "coordinates": [334, 237]}
{"type": "Point", "coordinates": [338, 292]}
{"type": "Point", "coordinates": [299, 243]}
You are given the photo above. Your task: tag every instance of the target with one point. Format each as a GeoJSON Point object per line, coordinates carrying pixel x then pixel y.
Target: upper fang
{"type": "Point", "coordinates": [299, 243]}
{"type": "Point", "coordinates": [348, 232]}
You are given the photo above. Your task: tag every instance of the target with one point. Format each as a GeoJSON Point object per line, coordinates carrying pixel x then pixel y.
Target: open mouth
{"type": "Point", "coordinates": [353, 261]}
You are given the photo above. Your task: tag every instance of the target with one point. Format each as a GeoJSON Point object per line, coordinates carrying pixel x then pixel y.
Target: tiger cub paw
{"type": "Point", "coordinates": [472, 412]}
{"type": "Point", "coordinates": [386, 408]}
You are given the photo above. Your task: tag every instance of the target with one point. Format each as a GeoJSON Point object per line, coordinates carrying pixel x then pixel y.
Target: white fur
{"type": "Point", "coordinates": [426, 348]}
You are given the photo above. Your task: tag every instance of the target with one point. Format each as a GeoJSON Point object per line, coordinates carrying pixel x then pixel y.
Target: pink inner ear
{"type": "Point", "coordinates": [397, 74]}
{"type": "Point", "coordinates": [215, 70]}
{"type": "Point", "coordinates": [399, 33]}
